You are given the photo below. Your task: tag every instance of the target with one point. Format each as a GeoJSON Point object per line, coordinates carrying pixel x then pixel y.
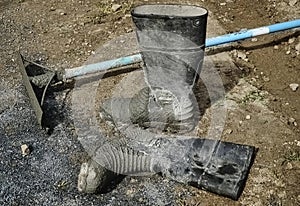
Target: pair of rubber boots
{"type": "Point", "coordinates": [172, 42]}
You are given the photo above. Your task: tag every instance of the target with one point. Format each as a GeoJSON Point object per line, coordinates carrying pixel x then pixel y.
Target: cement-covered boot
{"type": "Point", "coordinates": [172, 41]}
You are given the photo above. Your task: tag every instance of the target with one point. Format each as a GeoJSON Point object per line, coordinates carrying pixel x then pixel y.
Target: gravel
{"type": "Point", "coordinates": [48, 174]}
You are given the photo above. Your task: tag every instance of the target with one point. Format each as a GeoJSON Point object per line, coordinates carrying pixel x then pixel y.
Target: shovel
{"type": "Point", "coordinates": [41, 76]}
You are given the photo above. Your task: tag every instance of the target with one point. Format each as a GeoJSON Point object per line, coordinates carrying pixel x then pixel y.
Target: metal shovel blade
{"type": "Point", "coordinates": [30, 76]}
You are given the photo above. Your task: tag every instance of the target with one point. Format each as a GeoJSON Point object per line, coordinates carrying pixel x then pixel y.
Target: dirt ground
{"type": "Point", "coordinates": [263, 110]}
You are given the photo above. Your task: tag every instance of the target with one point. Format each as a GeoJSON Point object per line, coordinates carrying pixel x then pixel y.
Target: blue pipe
{"type": "Point", "coordinates": [245, 34]}
{"type": "Point", "coordinates": [102, 66]}
{"type": "Point", "coordinates": [227, 38]}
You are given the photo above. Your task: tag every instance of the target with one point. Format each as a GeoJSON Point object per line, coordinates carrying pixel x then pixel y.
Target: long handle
{"type": "Point", "coordinates": [227, 38]}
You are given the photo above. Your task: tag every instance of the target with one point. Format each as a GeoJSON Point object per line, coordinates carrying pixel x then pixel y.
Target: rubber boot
{"type": "Point", "coordinates": [172, 41]}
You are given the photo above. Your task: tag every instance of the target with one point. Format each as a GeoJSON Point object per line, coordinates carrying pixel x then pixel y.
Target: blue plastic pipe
{"type": "Point", "coordinates": [101, 66]}
{"type": "Point", "coordinates": [227, 38]}
{"type": "Point", "coordinates": [245, 34]}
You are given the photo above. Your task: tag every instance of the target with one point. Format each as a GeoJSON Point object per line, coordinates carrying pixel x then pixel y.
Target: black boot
{"type": "Point", "coordinates": [172, 41]}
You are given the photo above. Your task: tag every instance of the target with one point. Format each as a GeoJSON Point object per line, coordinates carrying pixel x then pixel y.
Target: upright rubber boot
{"type": "Point", "coordinates": [172, 41]}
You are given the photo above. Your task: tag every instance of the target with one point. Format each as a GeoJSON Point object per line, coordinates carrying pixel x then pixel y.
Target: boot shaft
{"type": "Point", "coordinates": [172, 41]}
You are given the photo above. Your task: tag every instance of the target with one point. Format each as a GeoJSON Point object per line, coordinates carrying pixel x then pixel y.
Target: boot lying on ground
{"type": "Point", "coordinates": [216, 166]}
